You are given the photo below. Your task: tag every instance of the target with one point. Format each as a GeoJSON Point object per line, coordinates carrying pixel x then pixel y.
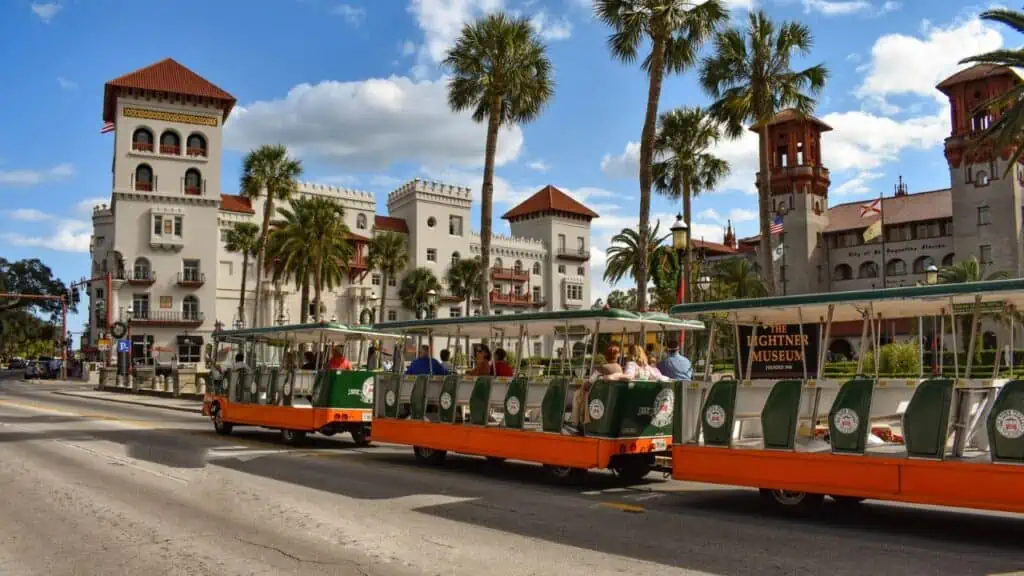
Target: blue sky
{"type": "Point", "coordinates": [355, 90]}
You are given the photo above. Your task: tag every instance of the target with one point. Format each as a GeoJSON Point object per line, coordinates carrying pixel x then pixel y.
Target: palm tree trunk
{"type": "Point", "coordinates": [486, 201]}
{"type": "Point", "coordinates": [241, 293]}
{"type": "Point", "coordinates": [383, 296]}
{"type": "Point", "coordinates": [317, 288]}
{"type": "Point", "coordinates": [268, 209]}
{"type": "Point", "coordinates": [764, 198]}
{"type": "Point", "coordinates": [646, 159]}
{"type": "Point", "coordinates": [688, 257]}
{"type": "Point", "coordinates": [304, 299]}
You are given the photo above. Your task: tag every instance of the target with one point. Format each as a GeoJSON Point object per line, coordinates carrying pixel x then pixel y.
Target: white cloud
{"type": "Point", "coordinates": [709, 214]}
{"type": "Point", "coordinates": [34, 177]}
{"type": "Point", "coordinates": [68, 236]}
{"type": "Point", "coordinates": [28, 215]}
{"type": "Point", "coordinates": [369, 124]}
{"type": "Point", "coordinates": [624, 165]}
{"type": "Point", "coordinates": [538, 165]}
{"type": "Point", "coordinates": [742, 215]}
{"type": "Point", "coordinates": [441, 22]}
{"type": "Point", "coordinates": [85, 207]}
{"type": "Point", "coordinates": [836, 8]}
{"type": "Point", "coordinates": [408, 48]}
{"type": "Point", "coordinates": [45, 11]}
{"type": "Point", "coordinates": [511, 194]}
{"type": "Point", "coordinates": [66, 84]}
{"type": "Point", "coordinates": [353, 15]}
{"type": "Point", "coordinates": [551, 29]}
{"type": "Point", "coordinates": [859, 185]}
{"type": "Point", "coordinates": [735, 215]}
{"type": "Point", "coordinates": [862, 141]}
{"type": "Point", "coordinates": [383, 181]}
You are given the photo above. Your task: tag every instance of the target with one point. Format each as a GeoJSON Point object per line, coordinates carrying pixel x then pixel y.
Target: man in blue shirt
{"type": "Point", "coordinates": [675, 365]}
{"type": "Point", "coordinates": [426, 365]}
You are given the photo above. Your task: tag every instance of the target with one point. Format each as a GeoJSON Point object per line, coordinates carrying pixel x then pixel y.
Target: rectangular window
{"type": "Point", "coordinates": [190, 349]}
{"type": "Point", "coordinates": [190, 270]}
{"type": "Point", "coordinates": [580, 245]}
{"type": "Point", "coordinates": [538, 348]}
{"type": "Point", "coordinates": [168, 226]}
{"type": "Point", "coordinates": [561, 242]}
{"type": "Point", "coordinates": [177, 225]}
{"type": "Point", "coordinates": [166, 302]}
{"type": "Point", "coordinates": [455, 225]}
{"type": "Point", "coordinates": [536, 293]}
{"type": "Point", "coordinates": [455, 312]}
{"type": "Point", "coordinates": [140, 306]}
{"type": "Point", "coordinates": [984, 217]}
{"type": "Point", "coordinates": [392, 281]}
{"type": "Point", "coordinates": [431, 254]}
{"type": "Point", "coordinates": [375, 279]}
{"type": "Point", "coordinates": [800, 153]}
{"type": "Point", "coordinates": [985, 254]}
{"type": "Point", "coordinates": [517, 289]}
{"type": "Point", "coordinates": [561, 268]}
{"type": "Point", "coordinates": [158, 224]}
{"type": "Point", "coordinates": [392, 315]}
{"type": "Point", "coordinates": [224, 235]}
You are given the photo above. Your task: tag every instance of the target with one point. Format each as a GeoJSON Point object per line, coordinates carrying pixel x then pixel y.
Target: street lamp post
{"type": "Point", "coordinates": [931, 276]}
{"type": "Point", "coordinates": [681, 245]}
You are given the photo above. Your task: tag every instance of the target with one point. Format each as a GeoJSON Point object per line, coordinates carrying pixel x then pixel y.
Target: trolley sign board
{"type": "Point", "coordinates": [779, 351]}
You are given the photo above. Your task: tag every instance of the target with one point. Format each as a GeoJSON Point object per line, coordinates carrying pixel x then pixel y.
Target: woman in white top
{"type": "Point", "coordinates": [637, 367]}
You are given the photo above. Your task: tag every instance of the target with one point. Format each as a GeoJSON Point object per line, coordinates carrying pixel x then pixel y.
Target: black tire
{"type": "Point", "coordinates": [566, 475]}
{"type": "Point", "coordinates": [495, 460]}
{"type": "Point", "coordinates": [219, 425]}
{"type": "Point", "coordinates": [361, 436]}
{"type": "Point", "coordinates": [792, 501]}
{"type": "Point", "coordinates": [634, 470]}
{"type": "Point", "coordinates": [848, 501]}
{"type": "Point", "coordinates": [429, 455]}
{"type": "Point", "coordinates": [293, 437]}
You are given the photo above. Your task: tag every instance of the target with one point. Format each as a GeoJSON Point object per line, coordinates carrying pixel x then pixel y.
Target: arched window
{"type": "Point", "coordinates": [142, 140]}
{"type": "Point", "coordinates": [842, 272]}
{"type": "Point", "coordinates": [193, 182]}
{"type": "Point", "coordinates": [868, 270]}
{"type": "Point", "coordinates": [361, 221]}
{"type": "Point", "coordinates": [518, 266]}
{"type": "Point", "coordinates": [896, 267]}
{"type": "Point", "coordinates": [455, 258]}
{"type": "Point", "coordinates": [947, 260]}
{"type": "Point", "coordinates": [144, 178]}
{"type": "Point", "coordinates": [170, 143]}
{"type": "Point", "coordinates": [195, 145]}
{"type": "Point", "coordinates": [498, 263]}
{"type": "Point", "coordinates": [141, 270]}
{"type": "Point", "coordinates": [536, 268]}
{"type": "Point", "coordinates": [190, 307]}
{"type": "Point", "coordinates": [921, 264]}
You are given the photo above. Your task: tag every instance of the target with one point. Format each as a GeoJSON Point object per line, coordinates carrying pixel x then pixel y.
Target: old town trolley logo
{"type": "Point", "coordinates": [715, 416]}
{"type": "Point", "coordinates": [389, 398]}
{"type": "Point", "coordinates": [365, 392]}
{"type": "Point", "coordinates": [446, 401]}
{"type": "Point", "coordinates": [596, 409]}
{"type": "Point", "coordinates": [846, 421]}
{"type": "Point", "coordinates": [661, 411]}
{"type": "Point", "coordinates": [512, 406]}
{"type": "Point", "coordinates": [1010, 424]}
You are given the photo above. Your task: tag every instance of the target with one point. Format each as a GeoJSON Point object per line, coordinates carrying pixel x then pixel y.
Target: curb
{"type": "Point", "coordinates": [134, 402]}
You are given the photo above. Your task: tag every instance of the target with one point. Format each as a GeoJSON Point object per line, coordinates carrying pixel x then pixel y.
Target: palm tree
{"type": "Point", "coordinates": [415, 288]}
{"type": "Point", "coordinates": [750, 77]}
{"type": "Point", "coordinates": [736, 278]}
{"type": "Point", "coordinates": [243, 239]}
{"type": "Point", "coordinates": [971, 271]}
{"type": "Point", "coordinates": [313, 238]}
{"type": "Point", "coordinates": [501, 71]}
{"type": "Point", "coordinates": [387, 254]}
{"type": "Point", "coordinates": [268, 170]}
{"type": "Point", "coordinates": [1007, 108]}
{"type": "Point", "coordinates": [296, 266]}
{"type": "Point", "coordinates": [676, 30]}
{"type": "Point", "coordinates": [685, 167]}
{"type": "Point", "coordinates": [622, 300]}
{"type": "Point", "coordinates": [463, 280]}
{"type": "Point", "coordinates": [623, 253]}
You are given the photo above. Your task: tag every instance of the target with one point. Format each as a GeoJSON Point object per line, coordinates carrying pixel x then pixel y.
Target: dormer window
{"type": "Point", "coordinates": [143, 178]}
{"type": "Point", "coordinates": [196, 145]}
{"type": "Point", "coordinates": [193, 182]}
{"type": "Point", "coordinates": [142, 140]}
{"type": "Point", "coordinates": [170, 143]}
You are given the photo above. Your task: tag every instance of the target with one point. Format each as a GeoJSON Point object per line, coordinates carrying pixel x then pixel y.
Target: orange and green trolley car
{"type": "Point", "coordinates": [938, 436]}
{"type": "Point", "coordinates": [284, 381]}
{"type": "Point", "coordinates": [526, 417]}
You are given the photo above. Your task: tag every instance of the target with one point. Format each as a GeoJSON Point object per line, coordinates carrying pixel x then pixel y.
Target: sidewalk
{"type": "Point", "coordinates": [176, 404]}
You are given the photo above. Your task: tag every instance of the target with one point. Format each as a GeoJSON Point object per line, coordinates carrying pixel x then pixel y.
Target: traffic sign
{"type": "Point", "coordinates": [123, 346]}
{"type": "Point", "coordinates": [103, 344]}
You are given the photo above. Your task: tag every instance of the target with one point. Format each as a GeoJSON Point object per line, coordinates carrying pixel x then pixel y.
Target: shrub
{"type": "Point", "coordinates": [896, 358]}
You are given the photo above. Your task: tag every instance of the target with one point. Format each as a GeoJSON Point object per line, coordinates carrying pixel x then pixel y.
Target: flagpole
{"type": "Point", "coordinates": [782, 242]}
{"type": "Point", "coordinates": [881, 216]}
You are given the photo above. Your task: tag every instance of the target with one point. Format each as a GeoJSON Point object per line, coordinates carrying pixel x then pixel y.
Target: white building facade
{"type": "Point", "coordinates": [162, 237]}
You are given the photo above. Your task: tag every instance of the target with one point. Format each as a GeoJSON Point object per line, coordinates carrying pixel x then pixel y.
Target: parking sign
{"type": "Point", "coordinates": [123, 346]}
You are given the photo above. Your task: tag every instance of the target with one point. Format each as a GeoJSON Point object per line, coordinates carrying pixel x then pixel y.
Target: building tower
{"type": "Point", "coordinates": [799, 193]}
{"type": "Point", "coordinates": [986, 205]}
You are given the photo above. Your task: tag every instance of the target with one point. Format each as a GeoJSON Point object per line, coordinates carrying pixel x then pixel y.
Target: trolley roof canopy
{"type": "Point", "coordinates": [305, 333]}
{"type": "Point", "coordinates": [903, 302]}
{"type": "Point", "coordinates": [535, 323]}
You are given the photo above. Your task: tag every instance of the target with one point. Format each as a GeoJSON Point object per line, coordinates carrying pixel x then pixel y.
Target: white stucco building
{"type": "Point", "coordinates": [162, 236]}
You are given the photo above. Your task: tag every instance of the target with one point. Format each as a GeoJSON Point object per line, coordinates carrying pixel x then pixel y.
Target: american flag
{"type": "Point", "coordinates": [776, 226]}
{"type": "Point", "coordinates": [107, 127]}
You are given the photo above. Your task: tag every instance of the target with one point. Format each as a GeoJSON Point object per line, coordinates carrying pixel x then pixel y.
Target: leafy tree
{"type": "Point", "coordinates": [387, 254]}
{"type": "Point", "coordinates": [751, 79]}
{"type": "Point", "coordinates": [622, 300]}
{"type": "Point", "coordinates": [32, 277]}
{"type": "Point", "coordinates": [623, 253]}
{"type": "Point", "coordinates": [736, 278]}
{"type": "Point", "coordinates": [464, 280]}
{"type": "Point", "coordinates": [268, 170]}
{"type": "Point", "coordinates": [243, 239]}
{"type": "Point", "coordinates": [676, 30]}
{"type": "Point", "coordinates": [685, 168]}
{"type": "Point", "coordinates": [415, 287]}
{"type": "Point", "coordinates": [500, 70]}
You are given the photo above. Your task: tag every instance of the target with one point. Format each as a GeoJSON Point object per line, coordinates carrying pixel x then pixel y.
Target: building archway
{"type": "Point", "coordinates": [841, 347]}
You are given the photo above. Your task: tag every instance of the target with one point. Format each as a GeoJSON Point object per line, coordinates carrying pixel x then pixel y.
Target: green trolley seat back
{"type": "Point", "coordinates": [1006, 424]}
{"type": "Point", "coordinates": [480, 401]}
{"type": "Point", "coordinates": [323, 388]}
{"type": "Point", "coordinates": [446, 401]}
{"type": "Point", "coordinates": [418, 398]}
{"type": "Point", "coordinates": [926, 420]}
{"type": "Point", "coordinates": [848, 420]}
{"type": "Point", "coordinates": [349, 389]}
{"type": "Point", "coordinates": [273, 390]}
{"type": "Point", "coordinates": [222, 387]}
{"type": "Point", "coordinates": [780, 415]}
{"type": "Point", "coordinates": [600, 409]}
{"type": "Point", "coordinates": [643, 408]}
{"type": "Point", "coordinates": [388, 386]}
{"type": "Point", "coordinates": [515, 402]}
{"type": "Point", "coordinates": [552, 407]}
{"type": "Point", "coordinates": [718, 413]}
{"type": "Point", "coordinates": [242, 384]}
{"type": "Point", "coordinates": [288, 387]}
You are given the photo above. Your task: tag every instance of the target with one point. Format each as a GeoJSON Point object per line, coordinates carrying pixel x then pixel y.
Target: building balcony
{"type": "Point", "coordinates": [447, 296]}
{"type": "Point", "coordinates": [143, 186]}
{"type": "Point", "coordinates": [138, 277]}
{"type": "Point", "coordinates": [579, 254]}
{"type": "Point", "coordinates": [142, 146]}
{"type": "Point", "coordinates": [170, 149]}
{"type": "Point", "coordinates": [196, 151]}
{"type": "Point", "coordinates": [191, 279]}
{"type": "Point", "coordinates": [166, 318]}
{"type": "Point", "coordinates": [359, 262]}
{"type": "Point", "coordinates": [510, 274]}
{"type": "Point", "coordinates": [193, 188]}
{"type": "Point", "coordinates": [511, 299]}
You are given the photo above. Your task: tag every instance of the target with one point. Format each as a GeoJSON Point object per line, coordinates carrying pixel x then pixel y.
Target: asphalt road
{"type": "Point", "coordinates": [93, 487]}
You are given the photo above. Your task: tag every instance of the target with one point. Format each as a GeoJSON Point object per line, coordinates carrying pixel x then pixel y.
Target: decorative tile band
{"type": "Point", "coordinates": [176, 117]}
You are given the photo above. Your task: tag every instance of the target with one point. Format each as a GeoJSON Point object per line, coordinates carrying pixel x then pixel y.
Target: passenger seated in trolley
{"type": "Point", "coordinates": [501, 367]}
{"type": "Point", "coordinates": [425, 364]}
{"type": "Point", "coordinates": [638, 368]}
{"type": "Point", "coordinates": [482, 365]}
{"type": "Point", "coordinates": [610, 370]}
{"type": "Point", "coordinates": [338, 360]}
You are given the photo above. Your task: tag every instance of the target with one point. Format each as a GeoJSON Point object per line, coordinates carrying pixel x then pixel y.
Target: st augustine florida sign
{"type": "Point", "coordinates": [779, 351]}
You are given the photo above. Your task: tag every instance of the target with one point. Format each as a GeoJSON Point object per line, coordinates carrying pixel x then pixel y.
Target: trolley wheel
{"type": "Point", "coordinates": [429, 455]}
{"type": "Point", "coordinates": [219, 425]}
{"type": "Point", "coordinates": [565, 474]}
{"type": "Point", "coordinates": [633, 470]}
{"type": "Point", "coordinates": [293, 437]}
{"type": "Point", "coordinates": [847, 501]}
{"type": "Point", "coordinates": [787, 499]}
{"type": "Point", "coordinates": [361, 436]}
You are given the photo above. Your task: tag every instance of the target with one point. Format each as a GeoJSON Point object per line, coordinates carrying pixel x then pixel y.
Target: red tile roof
{"type": "Point", "coordinates": [165, 76]}
{"type": "Point", "coordinates": [918, 207]}
{"type": "Point", "coordinates": [791, 115]}
{"type": "Point", "coordinates": [389, 223]}
{"type": "Point", "coordinates": [712, 247]}
{"type": "Point", "coordinates": [976, 72]}
{"type": "Point", "coordinates": [241, 204]}
{"type": "Point", "coordinates": [357, 237]}
{"type": "Point", "coordinates": [549, 199]}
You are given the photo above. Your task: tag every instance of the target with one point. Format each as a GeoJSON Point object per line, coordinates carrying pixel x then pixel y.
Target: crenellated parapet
{"type": "Point", "coordinates": [419, 189]}
{"type": "Point", "coordinates": [510, 246]}
{"type": "Point", "coordinates": [350, 198]}
{"type": "Point", "coordinates": [102, 212]}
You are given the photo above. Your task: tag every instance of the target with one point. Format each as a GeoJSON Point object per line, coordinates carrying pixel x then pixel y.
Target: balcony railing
{"type": "Point", "coordinates": [143, 186]}
{"type": "Point", "coordinates": [142, 146]}
{"type": "Point", "coordinates": [170, 149]}
{"type": "Point", "coordinates": [167, 317]}
{"type": "Point", "coordinates": [510, 274]}
{"type": "Point", "coordinates": [138, 277]}
{"type": "Point", "coordinates": [511, 299]}
{"type": "Point", "coordinates": [191, 278]}
{"type": "Point", "coordinates": [196, 151]}
{"type": "Point", "coordinates": [193, 188]}
{"type": "Point", "coordinates": [581, 254]}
